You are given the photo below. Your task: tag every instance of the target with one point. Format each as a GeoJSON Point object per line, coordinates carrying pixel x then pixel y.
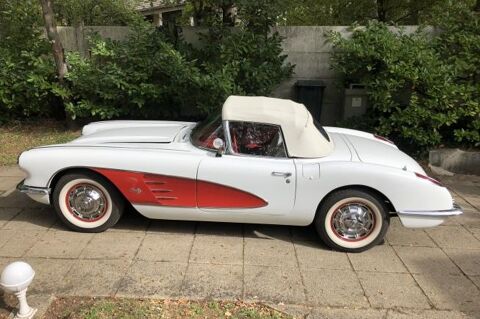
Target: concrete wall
{"type": "Point", "coordinates": [307, 48]}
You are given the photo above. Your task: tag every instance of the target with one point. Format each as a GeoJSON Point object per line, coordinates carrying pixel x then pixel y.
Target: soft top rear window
{"type": "Point", "coordinates": [321, 129]}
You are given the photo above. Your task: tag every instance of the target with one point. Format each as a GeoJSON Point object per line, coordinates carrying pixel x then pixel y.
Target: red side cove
{"type": "Point", "coordinates": [162, 190]}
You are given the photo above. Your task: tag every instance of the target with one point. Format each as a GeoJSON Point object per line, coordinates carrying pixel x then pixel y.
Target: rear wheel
{"type": "Point", "coordinates": [352, 220]}
{"type": "Point", "coordinates": [87, 202]}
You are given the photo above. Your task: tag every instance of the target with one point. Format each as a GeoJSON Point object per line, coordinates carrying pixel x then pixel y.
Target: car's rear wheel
{"type": "Point", "coordinates": [352, 220]}
{"type": "Point", "coordinates": [87, 202]}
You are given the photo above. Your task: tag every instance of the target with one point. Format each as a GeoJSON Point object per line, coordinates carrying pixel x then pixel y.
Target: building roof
{"type": "Point", "coordinates": [303, 139]}
{"type": "Point", "coordinates": [148, 5]}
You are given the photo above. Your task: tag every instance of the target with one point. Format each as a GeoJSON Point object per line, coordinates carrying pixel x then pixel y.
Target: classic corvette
{"type": "Point", "coordinates": [262, 160]}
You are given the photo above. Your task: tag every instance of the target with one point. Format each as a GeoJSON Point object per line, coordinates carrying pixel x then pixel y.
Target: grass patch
{"type": "Point", "coordinates": [18, 137]}
{"type": "Point", "coordinates": [123, 308]}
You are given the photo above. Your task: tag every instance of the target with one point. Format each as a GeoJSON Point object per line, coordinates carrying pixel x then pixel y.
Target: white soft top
{"type": "Point", "coordinates": [302, 138]}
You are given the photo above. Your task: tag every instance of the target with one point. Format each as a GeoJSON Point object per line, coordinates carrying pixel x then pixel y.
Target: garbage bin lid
{"type": "Point", "coordinates": [319, 83]}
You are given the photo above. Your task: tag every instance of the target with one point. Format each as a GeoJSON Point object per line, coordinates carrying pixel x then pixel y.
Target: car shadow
{"type": "Point", "coordinates": [18, 207]}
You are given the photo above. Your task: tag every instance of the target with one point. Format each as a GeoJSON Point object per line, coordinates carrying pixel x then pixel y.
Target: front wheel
{"type": "Point", "coordinates": [87, 202]}
{"type": "Point", "coordinates": [352, 220]}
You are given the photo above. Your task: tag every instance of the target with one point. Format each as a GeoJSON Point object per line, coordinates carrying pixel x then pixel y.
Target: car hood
{"type": "Point", "coordinates": [160, 133]}
{"type": "Point", "coordinates": [377, 152]}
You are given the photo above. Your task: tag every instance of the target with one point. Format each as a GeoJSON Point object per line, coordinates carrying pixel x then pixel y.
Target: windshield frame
{"type": "Point", "coordinates": [208, 121]}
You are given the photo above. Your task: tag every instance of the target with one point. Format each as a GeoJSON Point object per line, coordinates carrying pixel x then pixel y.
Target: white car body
{"type": "Point", "coordinates": [291, 188]}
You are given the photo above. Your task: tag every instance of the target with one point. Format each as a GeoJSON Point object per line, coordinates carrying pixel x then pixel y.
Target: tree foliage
{"type": "Point", "coordinates": [423, 89]}
{"type": "Point", "coordinates": [347, 12]}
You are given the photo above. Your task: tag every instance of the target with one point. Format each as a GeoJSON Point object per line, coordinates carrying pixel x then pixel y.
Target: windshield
{"type": "Point", "coordinates": [205, 132]}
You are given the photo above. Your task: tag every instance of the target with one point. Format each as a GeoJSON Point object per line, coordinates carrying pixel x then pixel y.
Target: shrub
{"type": "Point", "coordinates": [143, 77]}
{"type": "Point", "coordinates": [422, 87]}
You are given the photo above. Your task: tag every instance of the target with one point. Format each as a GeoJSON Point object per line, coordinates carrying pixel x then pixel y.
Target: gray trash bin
{"type": "Point", "coordinates": [355, 101]}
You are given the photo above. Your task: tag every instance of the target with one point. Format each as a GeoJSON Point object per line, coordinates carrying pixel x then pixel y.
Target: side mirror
{"type": "Point", "coordinates": [219, 145]}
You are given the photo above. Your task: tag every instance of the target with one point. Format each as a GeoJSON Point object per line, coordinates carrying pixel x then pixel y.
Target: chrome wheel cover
{"type": "Point", "coordinates": [86, 202]}
{"type": "Point", "coordinates": [353, 221]}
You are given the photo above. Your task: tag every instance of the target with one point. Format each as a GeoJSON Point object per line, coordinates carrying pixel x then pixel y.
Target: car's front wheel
{"type": "Point", "coordinates": [352, 220]}
{"type": "Point", "coordinates": [87, 202]}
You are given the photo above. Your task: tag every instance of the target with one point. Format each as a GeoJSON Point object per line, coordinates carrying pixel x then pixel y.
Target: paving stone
{"type": "Point", "coordinates": [113, 245]}
{"type": "Point", "coordinates": [60, 244]}
{"type": "Point", "coordinates": [8, 183]}
{"type": "Point", "coordinates": [468, 219]}
{"type": "Point", "coordinates": [339, 313]}
{"type": "Point", "coordinates": [166, 247]}
{"type": "Point", "coordinates": [397, 234]}
{"type": "Point", "coordinates": [453, 237]}
{"type": "Point", "coordinates": [95, 277]}
{"type": "Point", "coordinates": [11, 171]}
{"type": "Point", "coordinates": [307, 233]}
{"type": "Point", "coordinates": [5, 235]}
{"type": "Point", "coordinates": [391, 290]}
{"type": "Point", "coordinates": [133, 222]}
{"type": "Point", "coordinates": [426, 314]}
{"type": "Point", "coordinates": [426, 260]}
{"type": "Point", "coordinates": [171, 226]}
{"type": "Point", "coordinates": [475, 231]}
{"type": "Point", "coordinates": [49, 275]}
{"type": "Point", "coordinates": [151, 279]}
{"type": "Point", "coordinates": [32, 219]}
{"type": "Point", "coordinates": [205, 281]}
{"type": "Point", "coordinates": [379, 258]}
{"type": "Point", "coordinates": [273, 284]}
{"type": "Point", "coordinates": [476, 280]}
{"type": "Point", "coordinates": [468, 260]}
{"type": "Point", "coordinates": [19, 243]}
{"type": "Point", "coordinates": [19, 200]}
{"type": "Point", "coordinates": [450, 292]}
{"type": "Point", "coordinates": [220, 229]}
{"type": "Point", "coordinates": [7, 214]}
{"type": "Point", "coordinates": [217, 250]}
{"type": "Point", "coordinates": [315, 255]}
{"type": "Point", "coordinates": [328, 287]}
{"type": "Point", "coordinates": [269, 252]}
{"type": "Point", "coordinates": [267, 231]}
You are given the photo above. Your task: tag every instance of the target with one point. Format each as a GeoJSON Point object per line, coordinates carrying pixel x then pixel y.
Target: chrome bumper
{"type": "Point", "coordinates": [420, 218]}
{"type": "Point", "coordinates": [31, 190]}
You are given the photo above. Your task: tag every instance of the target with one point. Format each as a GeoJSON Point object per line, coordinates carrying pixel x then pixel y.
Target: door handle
{"type": "Point", "coordinates": [282, 174]}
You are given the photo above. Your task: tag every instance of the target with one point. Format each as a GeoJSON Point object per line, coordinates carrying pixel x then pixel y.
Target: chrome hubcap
{"type": "Point", "coordinates": [86, 202]}
{"type": "Point", "coordinates": [353, 221]}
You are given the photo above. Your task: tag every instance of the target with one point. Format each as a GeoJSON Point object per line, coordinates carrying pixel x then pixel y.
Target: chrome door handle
{"type": "Point", "coordinates": [282, 174]}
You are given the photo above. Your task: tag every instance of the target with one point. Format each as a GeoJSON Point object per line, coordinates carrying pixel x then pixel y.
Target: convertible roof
{"type": "Point", "coordinates": [303, 139]}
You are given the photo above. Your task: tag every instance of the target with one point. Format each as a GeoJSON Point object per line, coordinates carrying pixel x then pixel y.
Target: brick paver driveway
{"type": "Point", "coordinates": [433, 273]}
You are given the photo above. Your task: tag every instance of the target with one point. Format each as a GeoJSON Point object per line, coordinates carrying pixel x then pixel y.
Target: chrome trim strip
{"type": "Point", "coordinates": [33, 190]}
{"type": "Point", "coordinates": [456, 210]}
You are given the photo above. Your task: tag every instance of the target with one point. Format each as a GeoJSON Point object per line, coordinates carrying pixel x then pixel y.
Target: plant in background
{"type": "Point", "coordinates": [26, 69]}
{"type": "Point", "coordinates": [416, 94]}
{"type": "Point", "coordinates": [142, 77]}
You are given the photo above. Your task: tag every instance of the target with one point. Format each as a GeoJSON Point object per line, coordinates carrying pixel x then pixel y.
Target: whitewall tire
{"type": "Point", "coordinates": [87, 202]}
{"type": "Point", "coordinates": [352, 220]}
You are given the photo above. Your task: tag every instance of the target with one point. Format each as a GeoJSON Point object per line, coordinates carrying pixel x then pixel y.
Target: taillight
{"type": "Point", "coordinates": [433, 180]}
{"type": "Point", "coordinates": [382, 138]}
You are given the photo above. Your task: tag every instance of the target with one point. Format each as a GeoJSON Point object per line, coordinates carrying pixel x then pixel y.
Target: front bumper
{"type": "Point", "coordinates": [420, 219]}
{"type": "Point", "coordinates": [39, 194]}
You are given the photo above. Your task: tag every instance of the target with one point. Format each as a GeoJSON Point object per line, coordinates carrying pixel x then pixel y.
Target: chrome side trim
{"type": "Point", "coordinates": [33, 190]}
{"type": "Point", "coordinates": [456, 210]}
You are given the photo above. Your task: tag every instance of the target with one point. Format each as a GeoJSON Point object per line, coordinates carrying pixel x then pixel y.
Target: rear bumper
{"type": "Point", "coordinates": [39, 194]}
{"type": "Point", "coordinates": [421, 218]}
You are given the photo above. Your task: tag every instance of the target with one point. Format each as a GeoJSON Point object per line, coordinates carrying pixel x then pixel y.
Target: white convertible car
{"type": "Point", "coordinates": [262, 160]}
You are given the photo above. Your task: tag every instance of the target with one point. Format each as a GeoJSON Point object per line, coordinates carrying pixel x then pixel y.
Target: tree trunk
{"type": "Point", "coordinates": [228, 14]}
{"type": "Point", "coordinates": [477, 7]}
{"type": "Point", "coordinates": [54, 38]}
{"type": "Point", "coordinates": [57, 50]}
{"type": "Point", "coordinates": [381, 13]}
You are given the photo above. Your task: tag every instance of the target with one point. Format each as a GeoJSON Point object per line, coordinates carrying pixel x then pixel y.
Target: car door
{"type": "Point", "coordinates": [254, 175]}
